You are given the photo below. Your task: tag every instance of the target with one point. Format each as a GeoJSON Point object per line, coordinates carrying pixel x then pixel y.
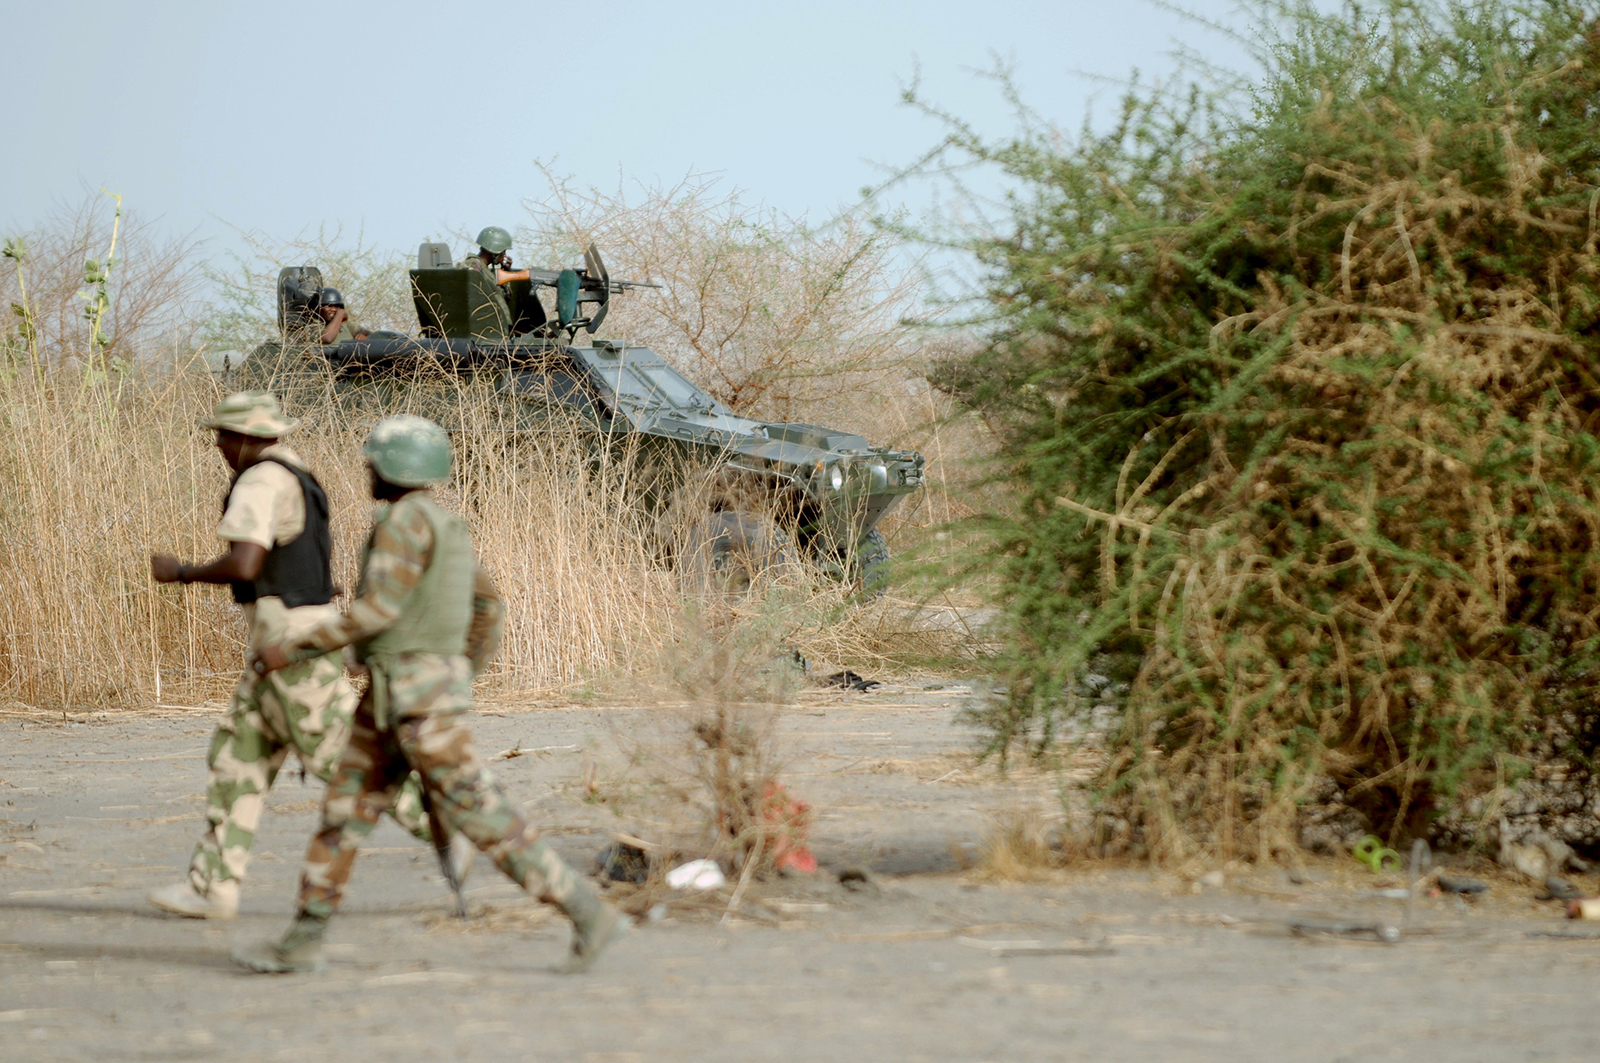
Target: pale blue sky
{"type": "Point", "coordinates": [401, 119]}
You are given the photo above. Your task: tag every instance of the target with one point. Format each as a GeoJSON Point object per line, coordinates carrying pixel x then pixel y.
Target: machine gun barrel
{"type": "Point", "coordinates": [551, 277]}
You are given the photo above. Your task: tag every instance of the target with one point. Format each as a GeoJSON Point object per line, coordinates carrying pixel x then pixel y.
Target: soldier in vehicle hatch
{"type": "Point", "coordinates": [425, 621]}
{"type": "Point", "coordinates": [336, 324]}
{"type": "Point", "coordinates": [275, 524]}
{"type": "Point", "coordinates": [493, 262]}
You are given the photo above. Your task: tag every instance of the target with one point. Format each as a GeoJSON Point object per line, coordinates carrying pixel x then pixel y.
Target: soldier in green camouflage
{"type": "Point", "coordinates": [275, 522]}
{"type": "Point", "coordinates": [425, 621]}
{"type": "Point", "coordinates": [493, 262]}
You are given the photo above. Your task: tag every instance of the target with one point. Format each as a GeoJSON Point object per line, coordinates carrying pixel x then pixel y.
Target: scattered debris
{"type": "Point", "coordinates": [1421, 861]}
{"type": "Point", "coordinates": [517, 751]}
{"type": "Point", "coordinates": [1370, 850]}
{"type": "Point", "coordinates": [1096, 949]}
{"type": "Point", "coordinates": [1007, 949]}
{"type": "Point", "coordinates": [786, 823]}
{"type": "Point", "coordinates": [621, 862]}
{"type": "Point", "coordinates": [1211, 880]}
{"type": "Point", "coordinates": [697, 875]}
{"type": "Point", "coordinates": [657, 913]}
{"type": "Point", "coordinates": [1559, 889]}
{"type": "Point", "coordinates": [1584, 908]}
{"type": "Point", "coordinates": [1384, 932]}
{"type": "Point", "coordinates": [1462, 884]}
{"type": "Point", "coordinates": [1562, 935]}
{"type": "Point", "coordinates": [857, 880]}
{"type": "Point", "coordinates": [849, 680]}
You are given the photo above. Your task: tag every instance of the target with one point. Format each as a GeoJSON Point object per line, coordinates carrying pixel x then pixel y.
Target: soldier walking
{"type": "Point", "coordinates": [425, 621]}
{"type": "Point", "coordinates": [275, 522]}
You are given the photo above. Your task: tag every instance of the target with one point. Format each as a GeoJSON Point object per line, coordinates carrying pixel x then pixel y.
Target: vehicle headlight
{"type": "Point", "coordinates": [880, 477]}
{"type": "Point", "coordinates": [836, 477]}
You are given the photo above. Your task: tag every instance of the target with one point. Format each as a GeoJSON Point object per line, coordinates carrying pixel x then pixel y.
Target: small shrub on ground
{"type": "Point", "coordinates": [1021, 845]}
{"type": "Point", "coordinates": [709, 769]}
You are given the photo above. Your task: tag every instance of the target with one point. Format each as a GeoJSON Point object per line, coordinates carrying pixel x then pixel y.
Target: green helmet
{"type": "Point", "coordinates": [495, 239]}
{"type": "Point", "coordinates": [408, 450]}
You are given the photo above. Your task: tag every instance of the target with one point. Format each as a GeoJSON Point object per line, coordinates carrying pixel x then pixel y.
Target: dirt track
{"type": "Point", "coordinates": [930, 965]}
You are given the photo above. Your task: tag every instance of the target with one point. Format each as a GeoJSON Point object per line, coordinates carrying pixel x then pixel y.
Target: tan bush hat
{"type": "Point", "coordinates": [251, 413]}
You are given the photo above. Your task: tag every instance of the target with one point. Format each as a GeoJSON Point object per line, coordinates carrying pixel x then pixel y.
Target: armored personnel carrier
{"type": "Point", "coordinates": [792, 488]}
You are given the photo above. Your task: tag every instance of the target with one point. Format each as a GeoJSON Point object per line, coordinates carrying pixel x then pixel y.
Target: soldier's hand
{"type": "Point", "coordinates": [164, 568]}
{"type": "Point", "coordinates": [269, 658]}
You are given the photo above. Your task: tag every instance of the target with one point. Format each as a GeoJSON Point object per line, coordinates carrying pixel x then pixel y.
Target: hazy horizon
{"type": "Point", "coordinates": [384, 121]}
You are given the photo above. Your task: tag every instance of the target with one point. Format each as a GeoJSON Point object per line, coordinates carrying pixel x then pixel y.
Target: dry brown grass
{"type": "Point", "coordinates": [97, 479]}
{"type": "Point", "coordinates": [101, 470]}
{"type": "Point", "coordinates": [1021, 845]}
{"type": "Point", "coordinates": [96, 484]}
{"type": "Point", "coordinates": [90, 488]}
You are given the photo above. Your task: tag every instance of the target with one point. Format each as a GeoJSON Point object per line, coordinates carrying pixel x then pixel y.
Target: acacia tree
{"type": "Point", "coordinates": [773, 316]}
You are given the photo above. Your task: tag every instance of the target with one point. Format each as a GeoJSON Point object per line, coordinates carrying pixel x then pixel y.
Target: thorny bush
{"type": "Point", "coordinates": [1299, 400]}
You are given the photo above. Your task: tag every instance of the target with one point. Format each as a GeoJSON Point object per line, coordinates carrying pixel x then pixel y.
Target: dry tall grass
{"type": "Point", "coordinates": [101, 470]}
{"type": "Point", "coordinates": [90, 488]}
{"type": "Point", "coordinates": [96, 479]}
{"type": "Point", "coordinates": [93, 485]}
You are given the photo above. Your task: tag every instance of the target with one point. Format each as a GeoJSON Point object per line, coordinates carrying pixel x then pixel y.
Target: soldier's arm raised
{"type": "Point", "coordinates": [330, 331]}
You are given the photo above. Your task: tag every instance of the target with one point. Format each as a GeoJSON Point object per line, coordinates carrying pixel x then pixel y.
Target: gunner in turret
{"type": "Point", "coordinates": [494, 261]}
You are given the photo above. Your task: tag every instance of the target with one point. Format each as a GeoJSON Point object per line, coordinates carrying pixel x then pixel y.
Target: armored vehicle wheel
{"type": "Point", "coordinates": [729, 551]}
{"type": "Point", "coordinates": [866, 567]}
{"type": "Point", "coordinates": [872, 564]}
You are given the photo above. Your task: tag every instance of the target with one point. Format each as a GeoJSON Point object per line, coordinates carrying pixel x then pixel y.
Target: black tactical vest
{"type": "Point", "coordinates": [300, 571]}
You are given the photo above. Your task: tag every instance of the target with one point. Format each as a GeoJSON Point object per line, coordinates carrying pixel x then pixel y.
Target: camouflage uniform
{"type": "Point", "coordinates": [502, 305]}
{"type": "Point", "coordinates": [306, 707]}
{"type": "Point", "coordinates": [411, 719]}
{"type": "Point", "coordinates": [426, 619]}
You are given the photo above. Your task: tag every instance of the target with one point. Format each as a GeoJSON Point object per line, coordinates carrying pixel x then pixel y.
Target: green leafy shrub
{"type": "Point", "coordinates": [1299, 401]}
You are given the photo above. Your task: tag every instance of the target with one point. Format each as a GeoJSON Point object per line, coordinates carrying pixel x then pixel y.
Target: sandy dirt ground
{"type": "Point", "coordinates": [928, 962]}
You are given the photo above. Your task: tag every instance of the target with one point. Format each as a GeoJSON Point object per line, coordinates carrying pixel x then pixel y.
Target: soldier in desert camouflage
{"type": "Point", "coordinates": [425, 621]}
{"type": "Point", "coordinates": [275, 522]}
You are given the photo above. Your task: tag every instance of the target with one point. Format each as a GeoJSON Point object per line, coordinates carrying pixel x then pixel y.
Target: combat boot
{"type": "Point", "coordinates": [220, 901]}
{"type": "Point", "coordinates": [595, 925]}
{"type": "Point", "coordinates": [299, 951]}
{"type": "Point", "coordinates": [459, 855]}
